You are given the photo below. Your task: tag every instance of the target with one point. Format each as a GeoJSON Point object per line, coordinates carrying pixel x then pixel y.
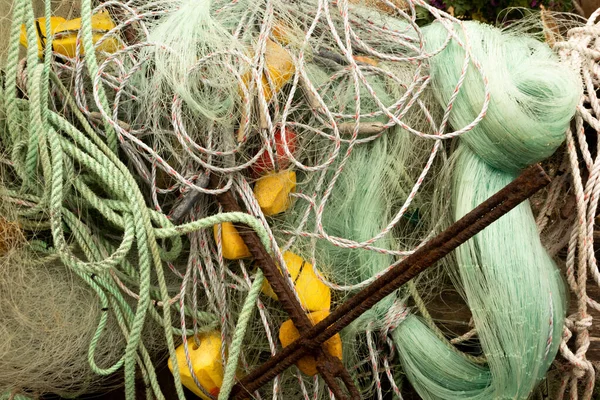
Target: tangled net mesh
{"type": "Point", "coordinates": [34, 321]}
{"type": "Point", "coordinates": [182, 101]}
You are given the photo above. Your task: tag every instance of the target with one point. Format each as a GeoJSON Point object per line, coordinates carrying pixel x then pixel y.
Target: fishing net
{"type": "Point", "coordinates": [110, 135]}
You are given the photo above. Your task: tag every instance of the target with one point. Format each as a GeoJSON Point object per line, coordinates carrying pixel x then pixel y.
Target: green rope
{"type": "Point", "coordinates": [57, 165]}
{"type": "Point", "coordinates": [238, 337]}
{"type": "Point", "coordinates": [58, 147]}
{"type": "Point", "coordinates": [10, 92]}
{"type": "Point", "coordinates": [92, 65]}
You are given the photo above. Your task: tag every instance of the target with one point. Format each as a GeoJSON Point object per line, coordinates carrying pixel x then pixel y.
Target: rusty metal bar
{"type": "Point", "coordinates": [529, 182]}
{"type": "Point", "coordinates": [328, 366]}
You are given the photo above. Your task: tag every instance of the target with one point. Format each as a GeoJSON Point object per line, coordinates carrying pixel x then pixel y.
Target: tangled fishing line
{"type": "Point", "coordinates": [379, 128]}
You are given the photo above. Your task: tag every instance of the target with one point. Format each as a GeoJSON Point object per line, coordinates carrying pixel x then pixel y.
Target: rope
{"type": "Point", "coordinates": [59, 145]}
{"type": "Point", "coordinates": [579, 50]}
{"type": "Point", "coordinates": [97, 161]}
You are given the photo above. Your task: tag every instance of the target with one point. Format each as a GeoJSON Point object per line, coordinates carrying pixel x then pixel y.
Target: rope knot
{"type": "Point", "coordinates": [395, 315]}
{"type": "Point", "coordinates": [584, 323]}
{"type": "Point", "coordinates": [579, 372]}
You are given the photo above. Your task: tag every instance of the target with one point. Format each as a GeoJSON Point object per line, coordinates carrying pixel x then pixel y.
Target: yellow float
{"type": "Point", "coordinates": [314, 295]}
{"type": "Point", "coordinates": [307, 364]}
{"type": "Point", "coordinates": [65, 34]}
{"type": "Point", "coordinates": [233, 245]}
{"type": "Point", "coordinates": [206, 363]}
{"type": "Point", "coordinates": [272, 191]}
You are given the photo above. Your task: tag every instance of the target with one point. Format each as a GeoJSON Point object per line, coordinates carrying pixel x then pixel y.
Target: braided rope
{"type": "Point", "coordinates": [103, 87]}
{"type": "Point", "coordinates": [580, 49]}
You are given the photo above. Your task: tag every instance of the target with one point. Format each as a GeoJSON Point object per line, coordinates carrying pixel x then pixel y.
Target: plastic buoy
{"type": "Point", "coordinates": [65, 34]}
{"type": "Point", "coordinates": [279, 67]}
{"type": "Point", "coordinates": [272, 191]}
{"type": "Point", "coordinates": [264, 164]}
{"type": "Point", "coordinates": [314, 295]}
{"type": "Point", "coordinates": [233, 245]}
{"type": "Point", "coordinates": [307, 364]}
{"type": "Point", "coordinates": [206, 363]}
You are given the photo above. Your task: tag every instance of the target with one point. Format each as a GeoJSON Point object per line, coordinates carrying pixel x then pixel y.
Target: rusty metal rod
{"type": "Point", "coordinates": [529, 182]}
{"type": "Point", "coordinates": [328, 366]}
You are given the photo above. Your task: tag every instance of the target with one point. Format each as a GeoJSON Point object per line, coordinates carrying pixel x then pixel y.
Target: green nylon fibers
{"type": "Point", "coordinates": [11, 396]}
{"type": "Point", "coordinates": [187, 63]}
{"type": "Point", "coordinates": [55, 165]}
{"type": "Point", "coordinates": [375, 182]}
{"type": "Point", "coordinates": [82, 199]}
{"type": "Point", "coordinates": [533, 96]}
{"type": "Point", "coordinates": [346, 216]}
{"type": "Point", "coordinates": [511, 285]}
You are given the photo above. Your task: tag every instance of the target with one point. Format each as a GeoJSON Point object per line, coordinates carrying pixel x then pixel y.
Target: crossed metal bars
{"type": "Point", "coordinates": [312, 337]}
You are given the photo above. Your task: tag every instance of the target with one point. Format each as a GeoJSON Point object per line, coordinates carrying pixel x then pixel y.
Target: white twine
{"type": "Point", "coordinates": [581, 50]}
{"type": "Point", "coordinates": [210, 274]}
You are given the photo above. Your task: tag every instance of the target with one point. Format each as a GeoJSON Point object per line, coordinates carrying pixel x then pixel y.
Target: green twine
{"type": "Point", "coordinates": [92, 65]}
{"type": "Point", "coordinates": [51, 146]}
{"type": "Point", "coordinates": [510, 283]}
{"type": "Point", "coordinates": [238, 336]}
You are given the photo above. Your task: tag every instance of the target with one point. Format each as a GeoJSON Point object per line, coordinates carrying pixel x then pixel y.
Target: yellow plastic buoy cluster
{"type": "Point", "coordinates": [233, 245]}
{"type": "Point", "coordinates": [272, 191]}
{"type": "Point", "coordinates": [307, 364]}
{"type": "Point", "coordinates": [65, 34]}
{"type": "Point", "coordinates": [206, 363]}
{"type": "Point", "coordinates": [314, 295]}
{"type": "Point", "coordinates": [279, 67]}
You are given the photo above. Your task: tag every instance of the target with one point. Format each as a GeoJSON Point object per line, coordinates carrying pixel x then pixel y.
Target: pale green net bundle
{"type": "Point", "coordinates": [46, 332]}
{"type": "Point", "coordinates": [393, 129]}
